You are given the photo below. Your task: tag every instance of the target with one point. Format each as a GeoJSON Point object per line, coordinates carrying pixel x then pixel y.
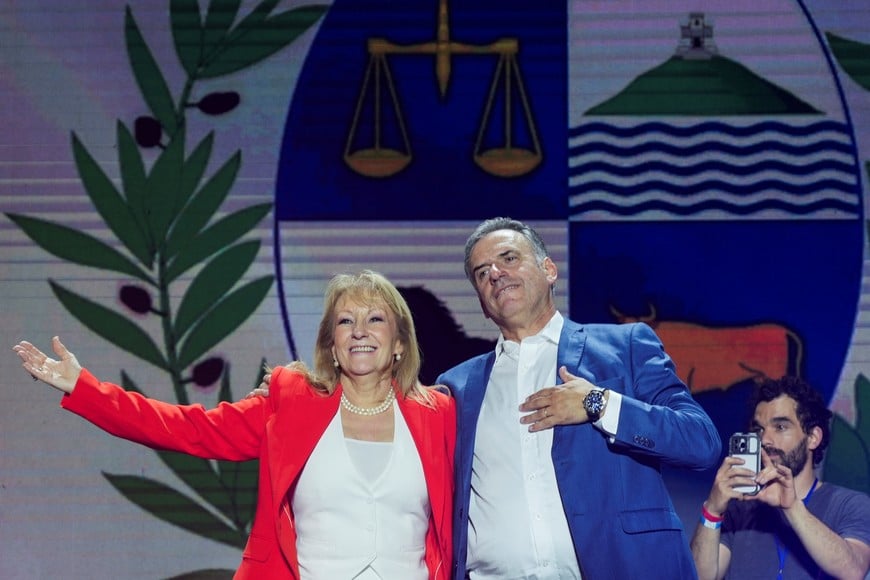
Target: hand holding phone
{"type": "Point", "coordinates": [747, 446]}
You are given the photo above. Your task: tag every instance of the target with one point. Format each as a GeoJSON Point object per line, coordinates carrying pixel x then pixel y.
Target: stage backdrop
{"type": "Point", "coordinates": [178, 183]}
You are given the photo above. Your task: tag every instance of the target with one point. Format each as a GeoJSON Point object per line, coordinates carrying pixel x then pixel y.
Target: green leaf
{"type": "Point", "coordinates": [109, 203]}
{"type": "Point", "coordinates": [257, 39]}
{"type": "Point", "coordinates": [846, 460]}
{"type": "Point", "coordinates": [187, 33]}
{"type": "Point", "coordinates": [242, 478]}
{"type": "Point", "coordinates": [853, 56]}
{"type": "Point", "coordinates": [201, 477]}
{"type": "Point", "coordinates": [74, 246]}
{"type": "Point", "coordinates": [110, 325]}
{"type": "Point", "coordinates": [220, 16]}
{"type": "Point", "coordinates": [194, 168]}
{"type": "Point", "coordinates": [255, 18]}
{"type": "Point", "coordinates": [229, 37]}
{"type": "Point", "coordinates": [218, 236]}
{"type": "Point", "coordinates": [226, 316]}
{"type": "Point", "coordinates": [203, 207]}
{"type": "Point", "coordinates": [163, 187]}
{"type": "Point", "coordinates": [148, 76]}
{"type": "Point", "coordinates": [173, 507]}
{"type": "Point", "coordinates": [210, 284]}
{"type": "Point", "coordinates": [225, 394]}
{"type": "Point", "coordinates": [133, 178]}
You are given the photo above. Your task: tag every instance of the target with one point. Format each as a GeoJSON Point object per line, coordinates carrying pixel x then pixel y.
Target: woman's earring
{"type": "Point", "coordinates": [398, 356]}
{"type": "Point", "coordinates": [335, 363]}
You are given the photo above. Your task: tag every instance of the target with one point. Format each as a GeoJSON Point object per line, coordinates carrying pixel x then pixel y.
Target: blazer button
{"type": "Point", "coordinates": [644, 441]}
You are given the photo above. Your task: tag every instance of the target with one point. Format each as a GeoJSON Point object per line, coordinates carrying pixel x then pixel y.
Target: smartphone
{"type": "Point", "coordinates": [747, 446]}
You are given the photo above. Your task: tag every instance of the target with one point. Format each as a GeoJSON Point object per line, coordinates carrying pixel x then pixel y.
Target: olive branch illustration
{"type": "Point", "coordinates": [163, 213]}
{"type": "Point", "coordinates": [848, 459]}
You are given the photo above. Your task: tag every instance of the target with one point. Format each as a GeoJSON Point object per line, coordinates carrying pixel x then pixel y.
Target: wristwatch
{"type": "Point", "coordinates": [594, 403]}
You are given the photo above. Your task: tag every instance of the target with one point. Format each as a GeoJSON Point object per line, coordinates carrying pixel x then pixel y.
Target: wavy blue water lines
{"type": "Point", "coordinates": [654, 127]}
{"type": "Point", "coordinates": [811, 140]}
{"type": "Point", "coordinates": [721, 196]}
{"type": "Point", "coordinates": [707, 166]}
{"type": "Point", "coordinates": [708, 147]}
{"type": "Point", "coordinates": [708, 205]}
{"type": "Point", "coordinates": [807, 188]}
{"type": "Point", "coordinates": [793, 168]}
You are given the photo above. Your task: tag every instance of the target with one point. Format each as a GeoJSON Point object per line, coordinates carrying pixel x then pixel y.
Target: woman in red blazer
{"type": "Point", "coordinates": [317, 436]}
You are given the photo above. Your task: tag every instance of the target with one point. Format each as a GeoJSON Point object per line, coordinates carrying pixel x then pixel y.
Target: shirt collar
{"type": "Point", "coordinates": [551, 333]}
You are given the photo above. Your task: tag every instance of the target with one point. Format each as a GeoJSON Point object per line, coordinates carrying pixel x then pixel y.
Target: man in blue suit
{"type": "Point", "coordinates": [563, 480]}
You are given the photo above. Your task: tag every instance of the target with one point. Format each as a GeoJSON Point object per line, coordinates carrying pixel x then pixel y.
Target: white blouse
{"type": "Point", "coordinates": [367, 522]}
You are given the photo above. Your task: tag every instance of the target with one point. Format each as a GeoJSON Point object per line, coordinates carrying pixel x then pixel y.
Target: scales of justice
{"type": "Point", "coordinates": [379, 160]}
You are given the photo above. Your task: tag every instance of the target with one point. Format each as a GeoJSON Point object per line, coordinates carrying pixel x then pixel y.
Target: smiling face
{"type": "Point", "coordinates": [365, 341]}
{"type": "Point", "coordinates": [782, 435]}
{"type": "Point", "coordinates": [514, 290]}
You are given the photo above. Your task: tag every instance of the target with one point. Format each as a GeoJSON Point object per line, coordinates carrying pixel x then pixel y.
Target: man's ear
{"type": "Point", "coordinates": [551, 269]}
{"type": "Point", "coordinates": [814, 438]}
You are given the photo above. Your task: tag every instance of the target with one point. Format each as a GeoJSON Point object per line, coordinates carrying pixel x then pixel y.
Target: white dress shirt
{"type": "Point", "coordinates": [517, 527]}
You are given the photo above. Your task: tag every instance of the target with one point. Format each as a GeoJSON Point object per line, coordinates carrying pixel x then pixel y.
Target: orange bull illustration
{"type": "Point", "coordinates": [709, 358]}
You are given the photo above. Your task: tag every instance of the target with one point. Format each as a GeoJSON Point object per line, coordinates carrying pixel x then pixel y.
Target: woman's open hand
{"type": "Point", "coordinates": [61, 374]}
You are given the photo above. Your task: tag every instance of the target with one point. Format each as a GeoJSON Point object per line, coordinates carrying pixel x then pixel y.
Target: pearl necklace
{"type": "Point", "coordinates": [391, 396]}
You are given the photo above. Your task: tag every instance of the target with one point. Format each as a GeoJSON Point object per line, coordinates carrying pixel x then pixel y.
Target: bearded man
{"type": "Point", "coordinates": [795, 526]}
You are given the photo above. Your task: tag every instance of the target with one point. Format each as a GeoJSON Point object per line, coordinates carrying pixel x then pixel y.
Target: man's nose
{"type": "Point", "coordinates": [495, 273]}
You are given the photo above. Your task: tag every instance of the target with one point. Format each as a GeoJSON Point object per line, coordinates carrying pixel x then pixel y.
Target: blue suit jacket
{"type": "Point", "coordinates": [621, 518]}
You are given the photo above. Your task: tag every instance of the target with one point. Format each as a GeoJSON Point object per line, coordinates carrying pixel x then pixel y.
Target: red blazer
{"type": "Point", "coordinates": [281, 431]}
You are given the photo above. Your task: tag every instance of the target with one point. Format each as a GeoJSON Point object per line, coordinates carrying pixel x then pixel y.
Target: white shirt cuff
{"type": "Point", "coordinates": [609, 421]}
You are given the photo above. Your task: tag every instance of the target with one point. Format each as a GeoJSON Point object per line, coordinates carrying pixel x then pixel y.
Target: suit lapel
{"type": "Point", "coordinates": [470, 396]}
{"type": "Point", "coordinates": [428, 435]}
{"type": "Point", "coordinates": [571, 344]}
{"type": "Point", "coordinates": [469, 400]}
{"type": "Point", "coordinates": [298, 424]}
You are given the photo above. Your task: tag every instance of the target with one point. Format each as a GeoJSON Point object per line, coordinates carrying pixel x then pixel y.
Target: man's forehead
{"type": "Point", "coordinates": [500, 241]}
{"type": "Point", "coordinates": [781, 407]}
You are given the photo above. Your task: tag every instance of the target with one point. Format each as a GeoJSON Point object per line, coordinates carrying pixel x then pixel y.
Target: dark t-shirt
{"type": "Point", "coordinates": [751, 530]}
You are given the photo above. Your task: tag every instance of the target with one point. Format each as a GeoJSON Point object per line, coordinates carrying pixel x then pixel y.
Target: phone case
{"type": "Point", "coordinates": [747, 446]}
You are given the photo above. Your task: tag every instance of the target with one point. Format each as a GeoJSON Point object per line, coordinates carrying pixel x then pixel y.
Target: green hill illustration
{"type": "Point", "coordinates": [699, 81]}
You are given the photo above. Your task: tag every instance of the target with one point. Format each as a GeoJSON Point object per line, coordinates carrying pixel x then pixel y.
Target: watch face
{"type": "Point", "coordinates": [594, 403]}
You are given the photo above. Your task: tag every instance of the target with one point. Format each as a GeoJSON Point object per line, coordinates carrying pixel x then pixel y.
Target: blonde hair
{"type": "Point", "coordinates": [369, 288]}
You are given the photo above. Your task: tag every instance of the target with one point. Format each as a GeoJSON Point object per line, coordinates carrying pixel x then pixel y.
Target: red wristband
{"type": "Point", "coordinates": [708, 516]}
